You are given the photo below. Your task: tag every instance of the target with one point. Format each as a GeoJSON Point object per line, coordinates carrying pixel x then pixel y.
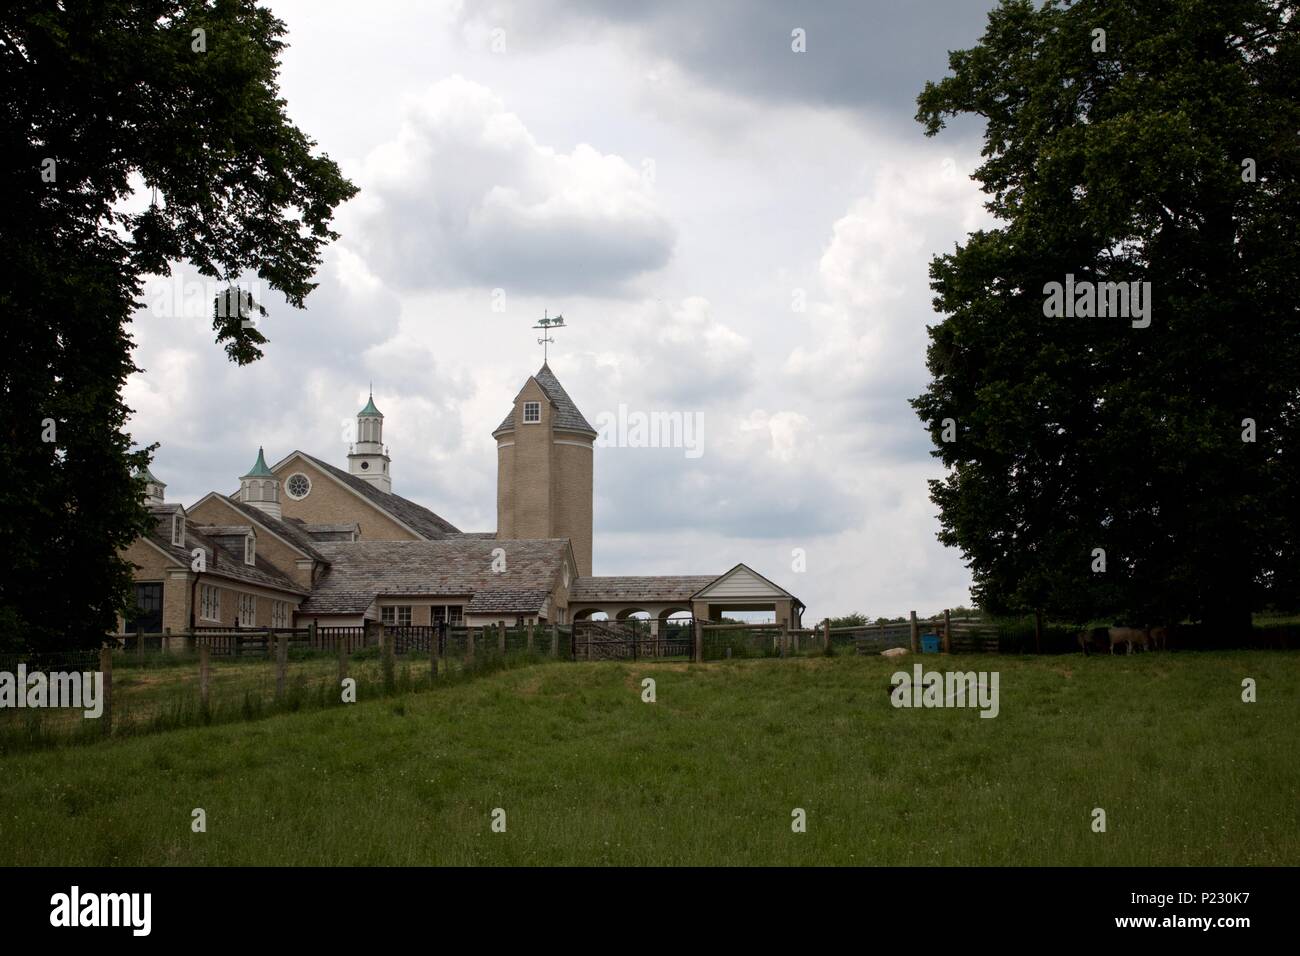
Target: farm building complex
{"type": "Point", "coordinates": [305, 540]}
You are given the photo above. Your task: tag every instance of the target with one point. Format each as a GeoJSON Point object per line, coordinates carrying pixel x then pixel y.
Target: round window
{"type": "Point", "coordinates": [298, 486]}
{"type": "Point", "coordinates": [365, 465]}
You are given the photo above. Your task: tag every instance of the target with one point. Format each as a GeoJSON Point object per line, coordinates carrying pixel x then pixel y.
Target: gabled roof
{"type": "Point", "coordinates": [460, 567]}
{"type": "Point", "coordinates": [222, 561]}
{"type": "Point", "coordinates": [751, 584]}
{"type": "Point", "coordinates": [566, 416]}
{"type": "Point", "coordinates": [415, 518]}
{"type": "Point", "coordinates": [284, 530]}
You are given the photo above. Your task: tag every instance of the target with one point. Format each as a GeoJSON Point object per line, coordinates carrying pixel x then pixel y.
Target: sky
{"type": "Point", "coordinates": [735, 231]}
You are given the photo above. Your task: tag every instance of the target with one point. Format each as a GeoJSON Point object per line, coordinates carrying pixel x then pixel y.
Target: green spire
{"type": "Point", "coordinates": [259, 469]}
{"type": "Point", "coordinates": [147, 475]}
{"type": "Point", "coordinates": [370, 410]}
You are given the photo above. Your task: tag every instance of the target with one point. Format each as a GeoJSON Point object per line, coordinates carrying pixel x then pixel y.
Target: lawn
{"type": "Point", "coordinates": [708, 774]}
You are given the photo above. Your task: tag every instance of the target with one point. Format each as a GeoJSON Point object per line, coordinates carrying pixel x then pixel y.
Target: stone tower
{"type": "Point", "coordinates": [369, 459]}
{"type": "Point", "coordinates": [544, 468]}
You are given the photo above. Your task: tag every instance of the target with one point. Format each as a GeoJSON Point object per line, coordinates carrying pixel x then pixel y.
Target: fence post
{"type": "Point", "coordinates": [281, 662]}
{"type": "Point", "coordinates": [433, 651]}
{"type": "Point", "coordinates": [106, 669]}
{"type": "Point", "coordinates": [826, 625]}
{"type": "Point", "coordinates": [386, 652]}
{"type": "Point", "coordinates": [916, 631]}
{"type": "Point", "coordinates": [469, 644]}
{"type": "Point", "coordinates": [555, 640]}
{"type": "Point", "coordinates": [311, 634]}
{"type": "Point", "coordinates": [342, 640]}
{"type": "Point", "coordinates": [947, 632]}
{"type": "Point", "coordinates": [785, 639]}
{"type": "Point", "coordinates": [699, 642]}
{"type": "Point", "coordinates": [205, 667]}
{"type": "Point", "coordinates": [501, 638]}
{"type": "Point", "coordinates": [139, 642]}
{"type": "Point", "coordinates": [530, 635]}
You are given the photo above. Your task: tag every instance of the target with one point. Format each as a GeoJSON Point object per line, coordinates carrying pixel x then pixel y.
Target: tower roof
{"type": "Point", "coordinates": [566, 412]}
{"type": "Point", "coordinates": [148, 475]}
{"type": "Point", "coordinates": [259, 469]}
{"type": "Point", "coordinates": [370, 410]}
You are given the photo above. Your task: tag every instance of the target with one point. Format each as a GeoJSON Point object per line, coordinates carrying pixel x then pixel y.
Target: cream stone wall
{"type": "Point", "coordinates": [544, 480]}
{"type": "Point", "coordinates": [152, 565]}
{"type": "Point", "coordinates": [269, 547]}
{"type": "Point", "coordinates": [330, 502]}
{"type": "Point", "coordinates": [571, 494]}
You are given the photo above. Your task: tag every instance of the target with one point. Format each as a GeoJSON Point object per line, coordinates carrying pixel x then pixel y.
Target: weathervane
{"type": "Point", "coordinates": [547, 324]}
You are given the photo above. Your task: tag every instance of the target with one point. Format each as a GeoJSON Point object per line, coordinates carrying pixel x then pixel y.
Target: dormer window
{"type": "Point", "coordinates": [178, 530]}
{"type": "Point", "coordinates": [250, 549]}
{"type": "Point", "coordinates": [532, 413]}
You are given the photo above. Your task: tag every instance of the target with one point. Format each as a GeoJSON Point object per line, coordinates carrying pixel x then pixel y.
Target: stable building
{"type": "Point", "coordinates": [304, 540]}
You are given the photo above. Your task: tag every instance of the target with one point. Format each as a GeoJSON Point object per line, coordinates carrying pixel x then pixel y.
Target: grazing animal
{"type": "Point", "coordinates": [1126, 635]}
{"type": "Point", "coordinates": [1093, 639]}
{"type": "Point", "coordinates": [1158, 638]}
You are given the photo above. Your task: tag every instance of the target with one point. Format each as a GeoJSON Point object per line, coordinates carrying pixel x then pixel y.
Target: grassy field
{"type": "Point", "coordinates": [709, 774]}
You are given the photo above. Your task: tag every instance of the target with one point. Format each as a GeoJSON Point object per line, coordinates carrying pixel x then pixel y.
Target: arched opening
{"type": "Point", "coordinates": [633, 613]}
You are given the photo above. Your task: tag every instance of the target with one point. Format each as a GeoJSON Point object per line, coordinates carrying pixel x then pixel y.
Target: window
{"type": "Point", "coordinates": [404, 616]}
{"type": "Point", "coordinates": [148, 603]}
{"type": "Point", "coordinates": [178, 530]}
{"type": "Point", "coordinates": [281, 611]}
{"type": "Point", "coordinates": [453, 615]}
{"type": "Point", "coordinates": [532, 412]}
{"type": "Point", "coordinates": [250, 549]}
{"type": "Point", "coordinates": [298, 486]}
{"type": "Point", "coordinates": [386, 616]}
{"type": "Point", "coordinates": [209, 603]}
{"type": "Point", "coordinates": [247, 611]}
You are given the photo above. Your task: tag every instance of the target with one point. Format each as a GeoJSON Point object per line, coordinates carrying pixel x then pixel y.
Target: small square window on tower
{"type": "Point", "coordinates": [532, 412]}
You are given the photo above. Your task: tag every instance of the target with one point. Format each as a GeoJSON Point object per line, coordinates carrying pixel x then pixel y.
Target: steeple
{"type": "Point", "coordinates": [153, 488]}
{"type": "Point", "coordinates": [368, 458]}
{"type": "Point", "coordinates": [260, 487]}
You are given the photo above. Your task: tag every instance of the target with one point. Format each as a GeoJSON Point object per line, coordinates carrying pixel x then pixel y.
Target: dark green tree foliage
{"type": "Point", "coordinates": [109, 91]}
{"type": "Point", "coordinates": [1081, 433]}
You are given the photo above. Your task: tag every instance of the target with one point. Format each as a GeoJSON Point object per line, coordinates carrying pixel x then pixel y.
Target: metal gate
{"type": "Point", "coordinates": [632, 640]}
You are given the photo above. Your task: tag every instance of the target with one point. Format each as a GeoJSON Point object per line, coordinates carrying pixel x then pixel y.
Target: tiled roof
{"type": "Point", "coordinates": [655, 588]}
{"type": "Point", "coordinates": [418, 517]}
{"type": "Point", "coordinates": [508, 601]}
{"type": "Point", "coordinates": [330, 532]}
{"type": "Point", "coordinates": [221, 561]}
{"type": "Point", "coordinates": [286, 529]}
{"type": "Point", "coordinates": [223, 530]}
{"type": "Point", "coordinates": [452, 567]}
{"type": "Point", "coordinates": [566, 412]}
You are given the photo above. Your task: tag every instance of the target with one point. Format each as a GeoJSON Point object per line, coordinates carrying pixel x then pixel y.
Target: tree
{"type": "Point", "coordinates": [181, 96]}
{"type": "Point", "coordinates": [1125, 142]}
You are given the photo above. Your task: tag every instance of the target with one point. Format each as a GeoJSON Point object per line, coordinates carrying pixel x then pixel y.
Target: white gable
{"type": "Point", "coordinates": [741, 582]}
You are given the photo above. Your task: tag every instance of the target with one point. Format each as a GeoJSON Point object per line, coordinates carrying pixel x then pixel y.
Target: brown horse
{"type": "Point", "coordinates": [1126, 635]}
{"type": "Point", "coordinates": [1158, 638]}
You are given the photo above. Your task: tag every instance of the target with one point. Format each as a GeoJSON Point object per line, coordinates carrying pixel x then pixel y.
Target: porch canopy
{"type": "Point", "coordinates": [706, 597]}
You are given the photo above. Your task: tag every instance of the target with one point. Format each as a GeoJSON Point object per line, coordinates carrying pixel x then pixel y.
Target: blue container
{"type": "Point", "coordinates": [930, 644]}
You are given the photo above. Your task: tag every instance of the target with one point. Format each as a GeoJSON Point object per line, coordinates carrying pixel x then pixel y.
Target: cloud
{"type": "Point", "coordinates": [466, 196]}
{"type": "Point", "coordinates": [870, 55]}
